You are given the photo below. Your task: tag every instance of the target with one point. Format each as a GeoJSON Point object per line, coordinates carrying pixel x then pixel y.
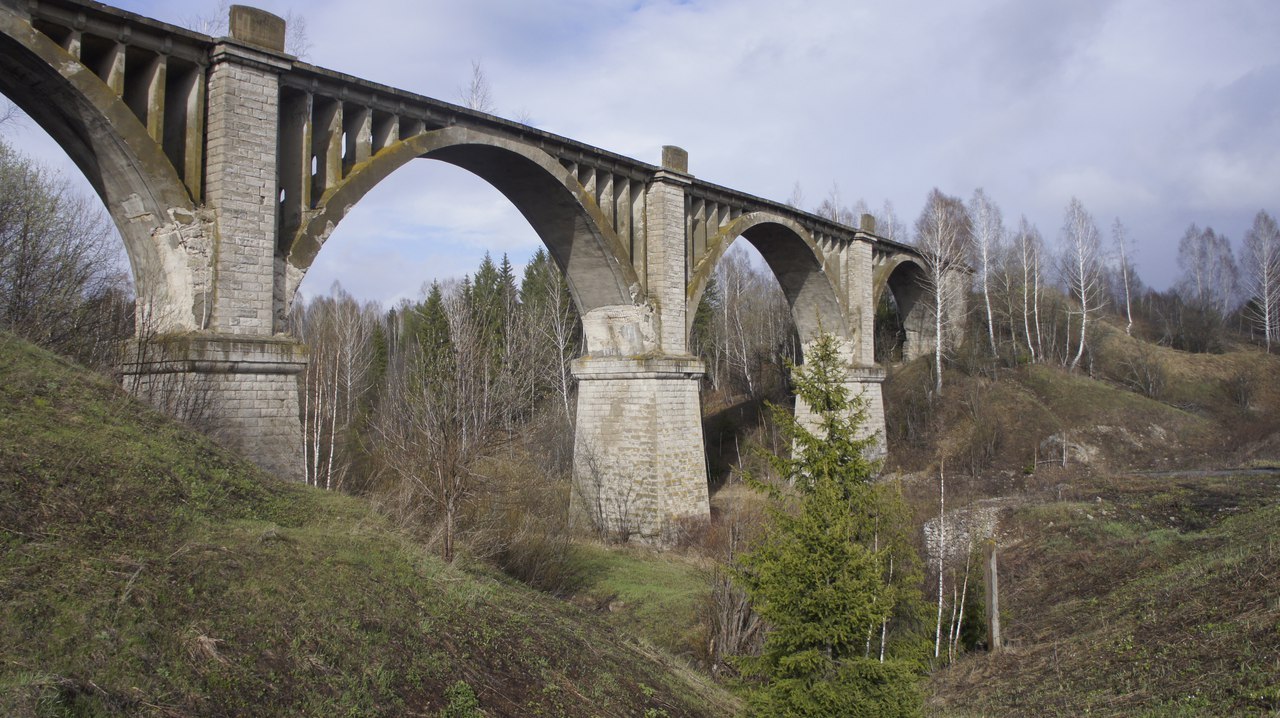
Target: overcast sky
{"type": "Point", "coordinates": [1159, 112]}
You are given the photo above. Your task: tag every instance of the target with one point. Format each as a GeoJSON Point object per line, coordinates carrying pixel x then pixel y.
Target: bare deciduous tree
{"type": "Point", "coordinates": [477, 94]}
{"type": "Point", "coordinates": [832, 207]}
{"type": "Point", "coordinates": [1209, 273]}
{"type": "Point", "coordinates": [1030, 253]}
{"type": "Point", "coordinates": [986, 238]}
{"type": "Point", "coordinates": [942, 235]}
{"type": "Point", "coordinates": [443, 409]}
{"type": "Point", "coordinates": [752, 330]}
{"type": "Point", "coordinates": [1120, 236]}
{"type": "Point", "coordinates": [1082, 267]}
{"type": "Point", "coordinates": [1261, 259]}
{"type": "Point", "coordinates": [339, 332]}
{"type": "Point", "coordinates": [62, 283]}
{"type": "Point", "coordinates": [888, 225]}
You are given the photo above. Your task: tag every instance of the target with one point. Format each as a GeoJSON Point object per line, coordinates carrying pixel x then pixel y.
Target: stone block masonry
{"type": "Point", "coordinates": [244, 393]}
{"type": "Point", "coordinates": [864, 382]}
{"type": "Point", "coordinates": [243, 111]}
{"type": "Point", "coordinates": [639, 463]}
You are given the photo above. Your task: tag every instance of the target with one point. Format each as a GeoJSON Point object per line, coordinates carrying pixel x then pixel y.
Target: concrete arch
{"type": "Point", "coordinates": [166, 238]}
{"type": "Point", "coordinates": [796, 262]}
{"type": "Point", "coordinates": [563, 214]}
{"type": "Point", "coordinates": [903, 278]}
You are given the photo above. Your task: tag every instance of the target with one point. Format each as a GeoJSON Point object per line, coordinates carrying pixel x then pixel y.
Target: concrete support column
{"type": "Point", "coordinates": [639, 462]}
{"type": "Point", "coordinates": [640, 469]}
{"type": "Point", "coordinates": [241, 183]}
{"type": "Point", "coordinates": [858, 282]}
{"type": "Point", "coordinates": [665, 244]}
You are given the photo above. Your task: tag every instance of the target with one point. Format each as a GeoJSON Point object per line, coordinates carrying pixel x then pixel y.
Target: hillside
{"type": "Point", "coordinates": [1152, 595]}
{"type": "Point", "coordinates": [146, 572]}
{"type": "Point", "coordinates": [1143, 576]}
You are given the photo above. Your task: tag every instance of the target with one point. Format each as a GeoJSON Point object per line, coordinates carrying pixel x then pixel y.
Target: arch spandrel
{"type": "Point", "coordinates": [165, 237]}
{"type": "Point", "coordinates": [795, 260]}
{"type": "Point", "coordinates": [563, 214]}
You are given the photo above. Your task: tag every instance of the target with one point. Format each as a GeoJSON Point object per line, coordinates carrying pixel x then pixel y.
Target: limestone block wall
{"type": "Point", "coordinates": [244, 393]}
{"type": "Point", "coordinates": [639, 461]}
{"type": "Point", "coordinates": [243, 114]}
{"type": "Point", "coordinates": [860, 297]}
{"type": "Point", "coordinates": [665, 248]}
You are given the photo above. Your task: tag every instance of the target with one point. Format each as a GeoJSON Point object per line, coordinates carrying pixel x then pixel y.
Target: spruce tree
{"type": "Point", "coordinates": [833, 571]}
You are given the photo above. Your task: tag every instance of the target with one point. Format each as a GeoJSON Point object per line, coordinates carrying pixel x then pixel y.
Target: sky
{"type": "Point", "coordinates": [1157, 112]}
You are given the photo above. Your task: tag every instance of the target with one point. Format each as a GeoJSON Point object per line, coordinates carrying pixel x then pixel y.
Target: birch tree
{"type": "Point", "coordinates": [1120, 236]}
{"type": "Point", "coordinates": [477, 94]}
{"type": "Point", "coordinates": [339, 331]}
{"type": "Point", "coordinates": [553, 320]}
{"type": "Point", "coordinates": [1261, 263]}
{"type": "Point", "coordinates": [1208, 287]}
{"type": "Point", "coordinates": [1209, 274]}
{"type": "Point", "coordinates": [889, 225]}
{"type": "Point", "coordinates": [942, 235]}
{"type": "Point", "coordinates": [1082, 267]}
{"type": "Point", "coordinates": [985, 239]}
{"type": "Point", "coordinates": [1029, 250]}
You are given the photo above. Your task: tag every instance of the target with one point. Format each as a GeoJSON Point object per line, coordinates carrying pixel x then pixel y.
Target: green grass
{"type": "Point", "coordinates": [144, 571]}
{"type": "Point", "coordinates": [657, 596]}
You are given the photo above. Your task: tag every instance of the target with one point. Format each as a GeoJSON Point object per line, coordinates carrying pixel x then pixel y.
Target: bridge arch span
{"type": "Point", "coordinates": [795, 260]}
{"type": "Point", "coordinates": [151, 206]}
{"type": "Point", "coordinates": [562, 213]}
{"type": "Point", "coordinates": [903, 279]}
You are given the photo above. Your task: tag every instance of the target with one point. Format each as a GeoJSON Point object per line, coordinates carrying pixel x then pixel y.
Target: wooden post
{"type": "Point", "coordinates": [991, 577]}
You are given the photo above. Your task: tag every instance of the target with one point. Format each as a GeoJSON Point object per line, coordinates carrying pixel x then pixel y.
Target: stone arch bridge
{"type": "Point", "coordinates": [226, 164]}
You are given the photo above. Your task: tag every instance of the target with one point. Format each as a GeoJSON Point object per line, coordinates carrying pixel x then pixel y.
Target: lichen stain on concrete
{"type": "Point", "coordinates": [135, 210]}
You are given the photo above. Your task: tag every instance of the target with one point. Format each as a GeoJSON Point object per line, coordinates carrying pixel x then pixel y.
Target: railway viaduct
{"type": "Point", "coordinates": [227, 163]}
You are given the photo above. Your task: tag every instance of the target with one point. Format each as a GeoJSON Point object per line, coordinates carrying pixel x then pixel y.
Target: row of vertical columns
{"type": "Point", "coordinates": [165, 94]}
{"type": "Point", "coordinates": [621, 200]}
{"type": "Point", "coordinates": [322, 141]}
{"type": "Point", "coordinates": [251, 370]}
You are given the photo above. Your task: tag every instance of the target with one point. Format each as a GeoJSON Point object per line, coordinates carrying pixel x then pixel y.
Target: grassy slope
{"type": "Point", "coordinates": [1156, 596]}
{"type": "Point", "coordinates": [1127, 593]}
{"type": "Point", "coordinates": [146, 572]}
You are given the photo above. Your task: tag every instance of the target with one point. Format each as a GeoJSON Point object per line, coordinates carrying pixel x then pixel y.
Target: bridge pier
{"type": "Point", "coordinates": [639, 461]}
{"type": "Point", "coordinates": [866, 382]}
{"type": "Point", "coordinates": [242, 391]}
{"type": "Point", "coordinates": [224, 367]}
